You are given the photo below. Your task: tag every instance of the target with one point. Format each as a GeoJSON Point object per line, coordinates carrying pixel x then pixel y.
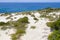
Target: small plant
{"type": "Point", "coordinates": [33, 27]}
{"type": "Point", "coordinates": [8, 17]}
{"type": "Point", "coordinates": [13, 37]}
{"type": "Point", "coordinates": [33, 15]}
{"type": "Point", "coordinates": [23, 20]}
{"type": "Point", "coordinates": [35, 18]}
{"type": "Point", "coordinates": [4, 28]}
{"type": "Point", "coordinates": [55, 25]}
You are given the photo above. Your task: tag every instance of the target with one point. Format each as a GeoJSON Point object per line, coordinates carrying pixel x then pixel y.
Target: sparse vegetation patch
{"type": "Point", "coordinates": [33, 27]}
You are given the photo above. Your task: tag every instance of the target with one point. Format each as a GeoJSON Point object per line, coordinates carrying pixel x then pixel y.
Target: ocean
{"type": "Point", "coordinates": [21, 7]}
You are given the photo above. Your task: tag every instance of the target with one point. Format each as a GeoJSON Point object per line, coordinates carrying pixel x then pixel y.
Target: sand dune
{"type": "Point", "coordinates": [41, 31]}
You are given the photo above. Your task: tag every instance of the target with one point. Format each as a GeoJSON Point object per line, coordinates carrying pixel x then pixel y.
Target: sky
{"type": "Point", "coordinates": [29, 0]}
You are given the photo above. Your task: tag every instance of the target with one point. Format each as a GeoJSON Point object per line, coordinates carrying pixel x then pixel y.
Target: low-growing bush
{"type": "Point", "coordinates": [55, 25]}
{"type": "Point", "coordinates": [35, 18]}
{"type": "Point", "coordinates": [4, 28]}
{"type": "Point", "coordinates": [33, 27]}
{"type": "Point", "coordinates": [54, 36]}
{"type": "Point", "coordinates": [13, 37]}
{"type": "Point", "coordinates": [23, 20]}
{"type": "Point", "coordinates": [3, 23]}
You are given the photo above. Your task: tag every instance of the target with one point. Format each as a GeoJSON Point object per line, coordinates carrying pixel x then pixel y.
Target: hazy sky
{"type": "Point", "coordinates": [29, 0]}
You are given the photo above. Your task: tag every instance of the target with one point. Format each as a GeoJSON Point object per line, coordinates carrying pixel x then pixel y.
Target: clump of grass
{"type": "Point", "coordinates": [35, 18]}
{"type": "Point", "coordinates": [13, 37]}
{"type": "Point", "coordinates": [4, 28]}
{"type": "Point", "coordinates": [4, 24]}
{"type": "Point", "coordinates": [33, 15]}
{"type": "Point", "coordinates": [33, 27]}
{"type": "Point", "coordinates": [18, 34]}
{"type": "Point", "coordinates": [43, 15]}
{"type": "Point", "coordinates": [8, 17]}
{"type": "Point", "coordinates": [15, 17]}
{"type": "Point", "coordinates": [23, 20]}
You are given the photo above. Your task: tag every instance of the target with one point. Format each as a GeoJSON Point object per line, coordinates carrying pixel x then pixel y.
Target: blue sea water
{"type": "Point", "coordinates": [20, 7]}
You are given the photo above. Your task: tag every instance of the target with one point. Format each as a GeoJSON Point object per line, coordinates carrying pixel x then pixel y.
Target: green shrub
{"type": "Point", "coordinates": [17, 34]}
{"type": "Point", "coordinates": [13, 37]}
{"type": "Point", "coordinates": [49, 24]}
{"type": "Point", "coordinates": [55, 25]}
{"type": "Point", "coordinates": [4, 28]}
{"type": "Point", "coordinates": [23, 20]}
{"type": "Point", "coordinates": [54, 36]}
{"type": "Point", "coordinates": [20, 31]}
{"type": "Point", "coordinates": [33, 27]}
{"type": "Point", "coordinates": [35, 18]}
{"type": "Point", "coordinates": [3, 23]}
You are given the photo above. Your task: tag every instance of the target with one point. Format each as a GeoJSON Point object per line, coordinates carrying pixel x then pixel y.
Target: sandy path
{"type": "Point", "coordinates": [41, 31]}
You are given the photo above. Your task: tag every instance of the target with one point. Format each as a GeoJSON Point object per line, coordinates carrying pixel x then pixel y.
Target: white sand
{"type": "Point", "coordinates": [6, 34]}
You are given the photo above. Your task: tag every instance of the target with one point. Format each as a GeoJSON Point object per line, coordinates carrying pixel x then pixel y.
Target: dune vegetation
{"type": "Point", "coordinates": [19, 25]}
{"type": "Point", "coordinates": [33, 27]}
{"type": "Point", "coordinates": [55, 26]}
